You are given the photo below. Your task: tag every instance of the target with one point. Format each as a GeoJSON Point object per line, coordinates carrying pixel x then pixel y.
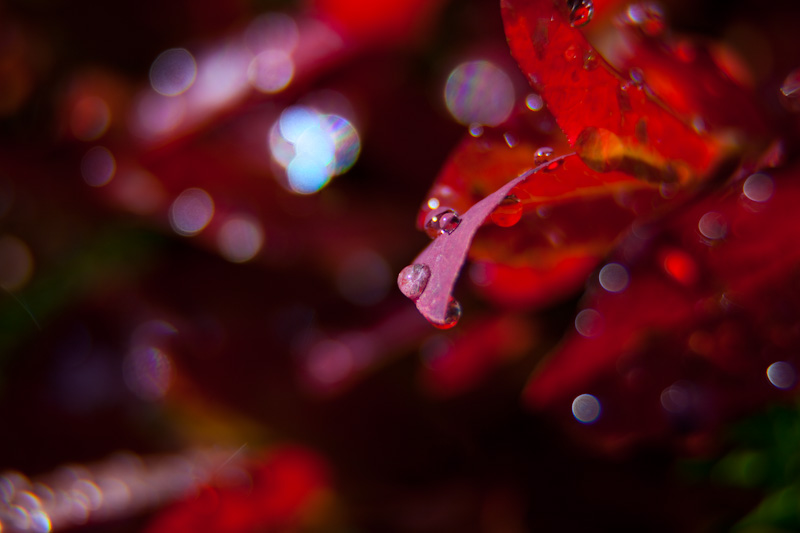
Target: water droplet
{"type": "Point", "coordinates": [646, 16]}
{"type": "Point", "coordinates": [614, 277]}
{"type": "Point", "coordinates": [413, 279]}
{"type": "Point", "coordinates": [637, 76]}
{"type": "Point", "coordinates": [589, 323]}
{"type": "Point", "coordinates": [452, 316]}
{"type": "Point", "coordinates": [445, 221]}
{"type": "Point", "coordinates": [600, 149]}
{"type": "Point", "coordinates": [677, 397]}
{"type": "Point", "coordinates": [580, 12]}
{"type": "Point", "coordinates": [758, 187]}
{"type": "Point", "coordinates": [624, 97]}
{"type": "Point", "coordinates": [782, 375]}
{"type": "Point", "coordinates": [586, 408]}
{"type": "Point", "coordinates": [476, 130]}
{"type": "Point", "coordinates": [534, 102]}
{"type": "Point", "coordinates": [712, 226]}
{"type": "Point", "coordinates": [542, 155]}
{"type": "Point", "coordinates": [511, 140]}
{"type": "Point", "coordinates": [479, 92]}
{"type": "Point", "coordinates": [790, 91]}
{"type": "Point", "coordinates": [571, 52]}
{"type": "Point", "coordinates": [590, 61]}
{"type": "Point", "coordinates": [508, 212]}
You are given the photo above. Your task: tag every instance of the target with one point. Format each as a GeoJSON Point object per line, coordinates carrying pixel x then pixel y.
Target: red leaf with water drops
{"type": "Point", "coordinates": [586, 94]}
{"type": "Point", "coordinates": [687, 324]}
{"type": "Point", "coordinates": [538, 246]}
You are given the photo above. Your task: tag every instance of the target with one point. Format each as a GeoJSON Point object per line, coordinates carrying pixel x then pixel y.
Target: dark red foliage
{"type": "Point", "coordinates": [283, 488]}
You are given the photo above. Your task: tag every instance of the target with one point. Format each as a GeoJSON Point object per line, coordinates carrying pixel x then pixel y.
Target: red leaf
{"type": "Point", "coordinates": [711, 303]}
{"type": "Point", "coordinates": [582, 90]}
{"type": "Point", "coordinates": [282, 488]}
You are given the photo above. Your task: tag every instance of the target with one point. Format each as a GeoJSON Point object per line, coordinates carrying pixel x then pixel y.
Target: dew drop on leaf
{"type": "Point", "coordinates": [445, 221]}
{"type": "Point", "coordinates": [790, 91]}
{"type": "Point", "coordinates": [600, 149]}
{"type": "Point", "coordinates": [476, 130]}
{"type": "Point", "coordinates": [590, 61]}
{"type": "Point", "coordinates": [637, 76]}
{"type": "Point", "coordinates": [647, 16]}
{"type": "Point", "coordinates": [534, 102]}
{"type": "Point", "coordinates": [413, 279]}
{"type": "Point", "coordinates": [542, 155]}
{"type": "Point", "coordinates": [452, 317]}
{"type": "Point", "coordinates": [508, 212]}
{"type": "Point", "coordinates": [580, 12]}
{"type": "Point", "coordinates": [571, 52]}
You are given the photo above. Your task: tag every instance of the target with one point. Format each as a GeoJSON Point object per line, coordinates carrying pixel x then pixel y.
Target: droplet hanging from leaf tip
{"type": "Point", "coordinates": [508, 212]}
{"type": "Point", "coordinates": [452, 316]}
{"type": "Point", "coordinates": [580, 12]}
{"type": "Point", "coordinates": [413, 279]}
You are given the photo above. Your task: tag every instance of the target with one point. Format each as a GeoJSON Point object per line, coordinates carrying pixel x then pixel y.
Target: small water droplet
{"type": "Point", "coordinates": [476, 130]}
{"type": "Point", "coordinates": [511, 140]}
{"type": "Point", "coordinates": [452, 316]}
{"type": "Point", "coordinates": [647, 16]}
{"type": "Point", "coordinates": [542, 155]}
{"type": "Point", "coordinates": [758, 187]}
{"type": "Point", "coordinates": [614, 277]}
{"type": "Point", "coordinates": [571, 52]}
{"type": "Point", "coordinates": [624, 97]}
{"type": "Point", "coordinates": [534, 102]}
{"type": "Point", "coordinates": [590, 61]}
{"type": "Point", "coordinates": [713, 226]}
{"type": "Point", "coordinates": [413, 279]}
{"type": "Point", "coordinates": [637, 76]}
{"type": "Point", "coordinates": [589, 323]}
{"type": "Point", "coordinates": [698, 124]}
{"type": "Point", "coordinates": [790, 91]}
{"type": "Point", "coordinates": [445, 221]}
{"type": "Point", "coordinates": [580, 12]}
{"type": "Point", "coordinates": [508, 212]}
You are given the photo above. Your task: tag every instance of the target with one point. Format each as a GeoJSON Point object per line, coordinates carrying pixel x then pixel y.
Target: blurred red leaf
{"type": "Point", "coordinates": [711, 303]}
{"type": "Point", "coordinates": [282, 488]}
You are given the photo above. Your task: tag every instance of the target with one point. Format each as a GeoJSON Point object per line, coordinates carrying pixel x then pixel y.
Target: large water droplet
{"type": "Point", "coordinates": [542, 155]}
{"type": "Point", "coordinates": [452, 316]}
{"type": "Point", "coordinates": [758, 187]}
{"type": "Point", "coordinates": [790, 91]}
{"type": "Point", "coordinates": [586, 408]}
{"type": "Point", "coordinates": [600, 149]}
{"type": "Point", "coordinates": [508, 212]}
{"type": "Point", "coordinates": [413, 279]}
{"type": "Point", "coordinates": [580, 12]}
{"type": "Point", "coordinates": [445, 221]}
{"type": "Point", "coordinates": [782, 375]}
